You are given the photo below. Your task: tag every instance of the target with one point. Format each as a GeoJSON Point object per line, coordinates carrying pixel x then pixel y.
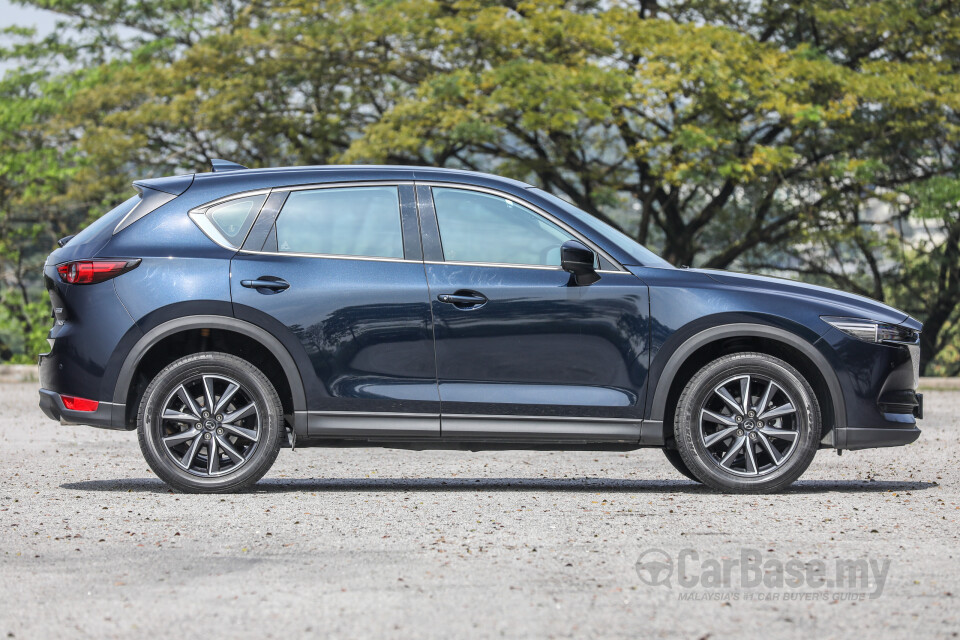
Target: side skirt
{"type": "Point", "coordinates": [450, 444]}
{"type": "Point", "coordinates": [473, 432]}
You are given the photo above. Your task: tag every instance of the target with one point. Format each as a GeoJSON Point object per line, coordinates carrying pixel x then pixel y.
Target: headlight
{"type": "Point", "coordinates": [871, 331]}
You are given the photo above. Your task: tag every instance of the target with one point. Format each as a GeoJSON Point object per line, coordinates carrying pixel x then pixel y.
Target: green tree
{"type": "Point", "coordinates": [727, 134]}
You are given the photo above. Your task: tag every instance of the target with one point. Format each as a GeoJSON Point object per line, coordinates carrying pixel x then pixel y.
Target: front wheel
{"type": "Point", "coordinates": [210, 423]}
{"type": "Point", "coordinates": [673, 457]}
{"type": "Point", "coordinates": [747, 423]}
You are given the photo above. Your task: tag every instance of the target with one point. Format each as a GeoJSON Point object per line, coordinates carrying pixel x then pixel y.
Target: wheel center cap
{"type": "Point", "coordinates": [210, 425]}
{"type": "Point", "coordinates": [748, 424]}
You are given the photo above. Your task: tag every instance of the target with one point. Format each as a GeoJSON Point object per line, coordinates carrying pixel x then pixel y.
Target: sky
{"type": "Point", "coordinates": [11, 14]}
{"type": "Point", "coordinates": [15, 15]}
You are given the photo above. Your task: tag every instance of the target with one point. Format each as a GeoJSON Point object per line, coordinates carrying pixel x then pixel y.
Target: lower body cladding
{"type": "Point", "coordinates": [471, 432]}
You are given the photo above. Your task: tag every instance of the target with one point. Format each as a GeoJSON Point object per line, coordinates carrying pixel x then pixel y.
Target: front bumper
{"type": "Point", "coordinates": [108, 415]}
{"type": "Point", "coordinates": [878, 382]}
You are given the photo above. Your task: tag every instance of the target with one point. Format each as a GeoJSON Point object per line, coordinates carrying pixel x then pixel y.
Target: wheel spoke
{"type": "Point", "coordinates": [177, 438]}
{"type": "Point", "coordinates": [232, 389]}
{"type": "Point", "coordinates": [213, 457]}
{"type": "Point", "coordinates": [745, 394]}
{"type": "Point", "coordinates": [240, 413]}
{"type": "Point", "coordinates": [714, 438]}
{"type": "Point", "coordinates": [771, 450]}
{"type": "Point", "coordinates": [783, 434]}
{"type": "Point", "coordinates": [179, 416]}
{"type": "Point", "coordinates": [191, 453]}
{"type": "Point", "coordinates": [208, 393]}
{"type": "Point", "coordinates": [718, 418]}
{"type": "Point", "coordinates": [730, 400]}
{"type": "Point", "coordinates": [249, 434]}
{"type": "Point", "coordinates": [745, 421]}
{"type": "Point", "coordinates": [229, 450]}
{"type": "Point", "coordinates": [731, 453]}
{"type": "Point", "coordinates": [776, 412]}
{"type": "Point", "coordinates": [188, 400]}
{"type": "Point", "coordinates": [765, 400]}
{"type": "Point", "coordinates": [750, 457]}
{"type": "Point", "coordinates": [229, 435]}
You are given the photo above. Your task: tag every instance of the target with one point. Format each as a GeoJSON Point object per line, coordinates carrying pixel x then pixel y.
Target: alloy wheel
{"type": "Point", "coordinates": [210, 426]}
{"type": "Point", "coordinates": [749, 425]}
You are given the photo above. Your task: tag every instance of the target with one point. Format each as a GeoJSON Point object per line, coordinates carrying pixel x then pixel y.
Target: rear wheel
{"type": "Point", "coordinates": [747, 423]}
{"type": "Point", "coordinates": [210, 423]}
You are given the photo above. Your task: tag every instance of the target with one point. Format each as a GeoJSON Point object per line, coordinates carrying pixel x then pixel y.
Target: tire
{"type": "Point", "coordinates": [747, 449]}
{"type": "Point", "coordinates": [674, 458]}
{"type": "Point", "coordinates": [244, 436]}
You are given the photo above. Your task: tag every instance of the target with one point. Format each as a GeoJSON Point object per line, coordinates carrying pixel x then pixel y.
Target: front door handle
{"type": "Point", "coordinates": [277, 285]}
{"type": "Point", "coordinates": [463, 299]}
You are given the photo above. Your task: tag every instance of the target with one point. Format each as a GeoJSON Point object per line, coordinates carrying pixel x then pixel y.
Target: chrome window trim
{"type": "Point", "coordinates": [221, 241]}
{"type": "Point", "coordinates": [199, 217]}
{"type": "Point", "coordinates": [539, 267]}
{"type": "Point", "coordinates": [315, 187]}
{"type": "Point", "coordinates": [201, 220]}
{"type": "Point", "coordinates": [234, 196]}
{"type": "Point", "coordinates": [327, 256]}
{"type": "Point", "coordinates": [535, 209]}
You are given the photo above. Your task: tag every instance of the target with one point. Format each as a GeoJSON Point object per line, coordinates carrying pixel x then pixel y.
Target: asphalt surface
{"type": "Point", "coordinates": [384, 543]}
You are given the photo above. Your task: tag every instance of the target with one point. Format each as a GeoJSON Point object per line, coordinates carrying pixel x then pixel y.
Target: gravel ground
{"type": "Point", "coordinates": [384, 543]}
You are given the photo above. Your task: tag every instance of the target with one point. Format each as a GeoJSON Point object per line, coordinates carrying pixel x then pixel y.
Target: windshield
{"type": "Point", "coordinates": [636, 250]}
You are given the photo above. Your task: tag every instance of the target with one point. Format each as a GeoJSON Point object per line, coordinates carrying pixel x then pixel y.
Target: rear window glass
{"type": "Point", "coordinates": [234, 218]}
{"type": "Point", "coordinates": [349, 221]}
{"type": "Point", "coordinates": [107, 220]}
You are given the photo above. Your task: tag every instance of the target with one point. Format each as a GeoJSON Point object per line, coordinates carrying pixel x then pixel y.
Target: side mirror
{"type": "Point", "coordinates": [577, 259]}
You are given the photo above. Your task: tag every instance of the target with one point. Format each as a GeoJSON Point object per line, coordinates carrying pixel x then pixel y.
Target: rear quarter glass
{"type": "Point", "coordinates": [234, 218]}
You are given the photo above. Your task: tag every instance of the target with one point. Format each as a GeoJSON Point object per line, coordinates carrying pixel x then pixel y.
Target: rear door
{"type": "Point", "coordinates": [339, 267]}
{"type": "Point", "coordinates": [522, 352]}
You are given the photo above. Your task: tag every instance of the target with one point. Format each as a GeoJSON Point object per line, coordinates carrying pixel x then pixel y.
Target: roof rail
{"type": "Point", "coordinates": [225, 165]}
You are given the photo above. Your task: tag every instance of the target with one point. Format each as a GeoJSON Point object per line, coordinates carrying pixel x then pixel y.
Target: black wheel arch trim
{"type": "Point", "coordinates": [658, 399]}
{"type": "Point", "coordinates": [170, 327]}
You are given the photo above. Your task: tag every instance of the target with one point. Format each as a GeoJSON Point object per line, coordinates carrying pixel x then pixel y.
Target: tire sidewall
{"type": "Point", "coordinates": [687, 424]}
{"type": "Point", "coordinates": [262, 394]}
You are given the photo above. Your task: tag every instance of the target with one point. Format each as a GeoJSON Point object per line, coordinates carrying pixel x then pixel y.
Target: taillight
{"type": "Point", "coordinates": [94, 271]}
{"type": "Point", "coordinates": [79, 404]}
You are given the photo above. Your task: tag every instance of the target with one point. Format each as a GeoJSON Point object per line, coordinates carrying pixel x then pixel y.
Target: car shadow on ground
{"type": "Point", "coordinates": [572, 485]}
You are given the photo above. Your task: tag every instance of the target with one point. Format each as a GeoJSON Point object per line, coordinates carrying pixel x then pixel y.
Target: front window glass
{"type": "Point", "coordinates": [640, 253]}
{"type": "Point", "coordinates": [481, 227]}
{"type": "Point", "coordinates": [349, 221]}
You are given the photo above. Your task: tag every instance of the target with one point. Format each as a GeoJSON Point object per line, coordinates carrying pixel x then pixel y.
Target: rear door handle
{"type": "Point", "coordinates": [273, 285]}
{"type": "Point", "coordinates": [463, 299]}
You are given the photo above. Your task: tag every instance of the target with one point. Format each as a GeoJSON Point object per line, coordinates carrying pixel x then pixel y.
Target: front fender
{"type": "Point", "coordinates": [684, 343]}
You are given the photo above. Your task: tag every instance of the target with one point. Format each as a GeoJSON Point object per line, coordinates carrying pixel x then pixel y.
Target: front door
{"type": "Point", "coordinates": [522, 352]}
{"type": "Point", "coordinates": [340, 269]}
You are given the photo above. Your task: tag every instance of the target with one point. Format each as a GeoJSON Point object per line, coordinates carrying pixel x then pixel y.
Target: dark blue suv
{"type": "Point", "coordinates": [227, 314]}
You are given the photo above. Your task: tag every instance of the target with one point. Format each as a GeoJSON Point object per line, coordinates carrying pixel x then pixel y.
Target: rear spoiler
{"type": "Point", "coordinates": [154, 193]}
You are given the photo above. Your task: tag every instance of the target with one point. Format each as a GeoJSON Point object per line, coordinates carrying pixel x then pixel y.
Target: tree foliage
{"type": "Point", "coordinates": [726, 134]}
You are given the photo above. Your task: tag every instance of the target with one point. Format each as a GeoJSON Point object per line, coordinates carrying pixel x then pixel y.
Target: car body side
{"type": "Point", "coordinates": [110, 337]}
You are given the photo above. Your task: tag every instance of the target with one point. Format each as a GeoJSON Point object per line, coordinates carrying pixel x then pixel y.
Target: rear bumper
{"type": "Point", "coordinates": [872, 437]}
{"type": "Point", "coordinates": [107, 416]}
